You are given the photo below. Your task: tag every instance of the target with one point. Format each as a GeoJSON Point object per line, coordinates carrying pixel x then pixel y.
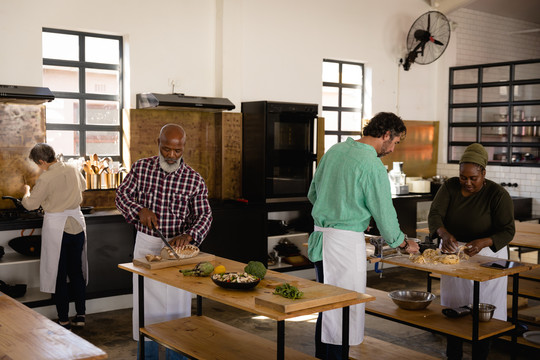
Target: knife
{"type": "Point", "coordinates": [166, 242]}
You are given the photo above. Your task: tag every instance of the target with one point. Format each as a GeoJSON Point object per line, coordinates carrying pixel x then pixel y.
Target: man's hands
{"type": "Point", "coordinates": [148, 218]}
{"type": "Point", "coordinates": [411, 247]}
{"type": "Point", "coordinates": [181, 240]}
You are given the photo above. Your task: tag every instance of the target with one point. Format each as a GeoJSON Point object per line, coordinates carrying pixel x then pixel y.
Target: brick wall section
{"type": "Point", "coordinates": [485, 38]}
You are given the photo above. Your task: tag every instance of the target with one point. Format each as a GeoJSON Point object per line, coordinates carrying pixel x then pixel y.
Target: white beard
{"type": "Point", "coordinates": [169, 168]}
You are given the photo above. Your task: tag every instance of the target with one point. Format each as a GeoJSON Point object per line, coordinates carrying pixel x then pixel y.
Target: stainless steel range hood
{"type": "Point", "coordinates": [182, 102]}
{"type": "Point", "coordinates": [31, 95]}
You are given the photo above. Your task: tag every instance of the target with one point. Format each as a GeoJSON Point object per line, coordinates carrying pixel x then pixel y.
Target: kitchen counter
{"type": "Point", "coordinates": [110, 242]}
{"type": "Point", "coordinates": [96, 216]}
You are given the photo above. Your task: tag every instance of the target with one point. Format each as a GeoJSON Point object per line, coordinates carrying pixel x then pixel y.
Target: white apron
{"type": "Point", "coordinates": [456, 292]}
{"type": "Point", "coordinates": [51, 244]}
{"type": "Point", "coordinates": [344, 265]}
{"type": "Point", "coordinates": [161, 302]}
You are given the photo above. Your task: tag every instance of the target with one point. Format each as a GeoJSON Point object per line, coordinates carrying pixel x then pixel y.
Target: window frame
{"type": "Point", "coordinates": [82, 127]}
{"type": "Point", "coordinates": [341, 109]}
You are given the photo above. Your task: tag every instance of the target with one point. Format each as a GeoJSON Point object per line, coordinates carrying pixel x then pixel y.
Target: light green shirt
{"type": "Point", "coordinates": [349, 187]}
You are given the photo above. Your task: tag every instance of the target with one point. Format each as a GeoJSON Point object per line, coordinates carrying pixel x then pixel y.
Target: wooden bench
{"type": "Point", "coordinates": [432, 318]}
{"type": "Point", "coordinates": [202, 337]}
{"type": "Point", "coordinates": [373, 348]}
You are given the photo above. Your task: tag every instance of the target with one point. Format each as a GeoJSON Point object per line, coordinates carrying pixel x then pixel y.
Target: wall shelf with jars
{"type": "Point", "coordinates": [497, 105]}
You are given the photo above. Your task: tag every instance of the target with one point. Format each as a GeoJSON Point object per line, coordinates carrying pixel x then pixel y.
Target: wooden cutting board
{"type": "Point", "coordinates": [313, 296]}
{"type": "Point", "coordinates": [168, 263]}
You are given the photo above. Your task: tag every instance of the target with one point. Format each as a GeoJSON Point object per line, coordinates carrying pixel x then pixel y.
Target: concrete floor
{"type": "Point", "coordinates": [111, 331]}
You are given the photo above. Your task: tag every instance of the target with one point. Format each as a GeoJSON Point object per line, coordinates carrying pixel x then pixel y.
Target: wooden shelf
{"type": "Point", "coordinates": [432, 318]}
{"type": "Point", "coordinates": [12, 258]}
{"type": "Point", "coordinates": [521, 341]}
{"type": "Point", "coordinates": [201, 337]}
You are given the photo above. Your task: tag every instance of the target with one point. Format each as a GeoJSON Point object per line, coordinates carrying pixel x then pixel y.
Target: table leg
{"type": "Point", "coordinates": [281, 340]}
{"type": "Point", "coordinates": [515, 290]}
{"type": "Point", "coordinates": [345, 334]}
{"type": "Point", "coordinates": [476, 301]}
{"type": "Point", "coordinates": [141, 315]}
{"type": "Point", "coordinates": [199, 305]}
{"type": "Point", "coordinates": [428, 282]}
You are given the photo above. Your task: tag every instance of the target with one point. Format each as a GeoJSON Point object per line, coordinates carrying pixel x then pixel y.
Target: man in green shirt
{"type": "Point", "coordinates": [349, 187]}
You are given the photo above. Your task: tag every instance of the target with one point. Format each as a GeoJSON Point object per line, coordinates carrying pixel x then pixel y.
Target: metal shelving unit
{"type": "Point", "coordinates": [497, 105]}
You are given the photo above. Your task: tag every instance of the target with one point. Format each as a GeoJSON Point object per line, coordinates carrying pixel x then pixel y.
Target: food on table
{"type": "Point", "coordinates": [152, 257]}
{"type": "Point", "coordinates": [256, 268]}
{"type": "Point", "coordinates": [288, 291]}
{"type": "Point", "coordinates": [184, 252]}
{"type": "Point", "coordinates": [233, 277]}
{"type": "Point", "coordinates": [435, 256]}
{"type": "Point", "coordinates": [204, 268]}
{"type": "Point", "coordinates": [220, 269]}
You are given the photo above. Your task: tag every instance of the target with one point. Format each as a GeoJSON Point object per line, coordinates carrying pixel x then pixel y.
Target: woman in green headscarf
{"type": "Point", "coordinates": [476, 212]}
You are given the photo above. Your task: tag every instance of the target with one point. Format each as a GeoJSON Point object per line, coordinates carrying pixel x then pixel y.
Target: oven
{"type": "Point", "coordinates": [278, 150]}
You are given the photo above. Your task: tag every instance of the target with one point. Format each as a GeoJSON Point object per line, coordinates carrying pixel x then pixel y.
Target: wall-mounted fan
{"type": "Point", "coordinates": [427, 39]}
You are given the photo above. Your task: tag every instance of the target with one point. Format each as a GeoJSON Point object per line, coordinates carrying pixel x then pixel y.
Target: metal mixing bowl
{"type": "Point", "coordinates": [411, 300]}
{"type": "Point", "coordinates": [485, 311]}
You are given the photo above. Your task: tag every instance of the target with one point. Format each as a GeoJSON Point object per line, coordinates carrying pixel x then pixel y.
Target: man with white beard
{"type": "Point", "coordinates": [164, 192]}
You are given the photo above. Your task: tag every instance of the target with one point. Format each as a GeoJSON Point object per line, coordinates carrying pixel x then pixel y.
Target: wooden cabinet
{"type": "Point", "coordinates": [497, 105]}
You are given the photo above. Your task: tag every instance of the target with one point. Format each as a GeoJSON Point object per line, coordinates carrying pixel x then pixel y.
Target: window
{"type": "Point", "coordinates": [342, 100]}
{"type": "Point", "coordinates": [84, 72]}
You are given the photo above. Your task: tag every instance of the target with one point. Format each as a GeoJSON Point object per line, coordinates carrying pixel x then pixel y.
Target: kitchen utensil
{"type": "Point", "coordinates": [233, 285]}
{"type": "Point", "coordinates": [411, 300]}
{"type": "Point", "coordinates": [485, 311]}
{"type": "Point", "coordinates": [166, 242]}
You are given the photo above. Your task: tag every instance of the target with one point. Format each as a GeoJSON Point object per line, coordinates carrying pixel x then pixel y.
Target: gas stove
{"type": "Point", "coordinates": [16, 214]}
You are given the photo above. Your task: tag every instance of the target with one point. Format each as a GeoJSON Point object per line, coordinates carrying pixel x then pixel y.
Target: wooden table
{"type": "Point", "coordinates": [201, 337]}
{"type": "Point", "coordinates": [527, 236]}
{"type": "Point", "coordinates": [471, 270]}
{"type": "Point", "coordinates": [26, 334]}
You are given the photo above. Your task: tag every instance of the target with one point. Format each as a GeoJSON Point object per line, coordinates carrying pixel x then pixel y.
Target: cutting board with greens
{"type": "Point", "coordinates": [317, 295]}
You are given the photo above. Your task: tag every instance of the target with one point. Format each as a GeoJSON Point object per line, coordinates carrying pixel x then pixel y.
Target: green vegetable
{"type": "Point", "coordinates": [256, 268]}
{"type": "Point", "coordinates": [288, 291]}
{"type": "Point", "coordinates": [204, 268]}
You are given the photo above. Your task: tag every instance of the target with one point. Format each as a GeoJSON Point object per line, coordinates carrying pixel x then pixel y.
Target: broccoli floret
{"type": "Point", "coordinates": [256, 268]}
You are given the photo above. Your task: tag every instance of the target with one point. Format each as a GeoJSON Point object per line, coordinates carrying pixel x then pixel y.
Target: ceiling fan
{"type": "Point", "coordinates": [427, 39]}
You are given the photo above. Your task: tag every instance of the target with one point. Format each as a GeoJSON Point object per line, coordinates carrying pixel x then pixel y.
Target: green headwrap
{"type": "Point", "coordinates": [476, 154]}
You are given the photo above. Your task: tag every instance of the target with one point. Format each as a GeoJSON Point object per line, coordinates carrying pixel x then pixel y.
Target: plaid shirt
{"type": "Point", "coordinates": [179, 199]}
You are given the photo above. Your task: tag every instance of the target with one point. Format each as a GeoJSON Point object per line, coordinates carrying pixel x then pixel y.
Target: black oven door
{"type": "Point", "coordinates": [290, 159]}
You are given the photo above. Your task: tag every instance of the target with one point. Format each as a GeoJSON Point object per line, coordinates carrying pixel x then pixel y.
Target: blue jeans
{"type": "Point", "coordinates": [70, 265]}
{"type": "Point", "coordinates": [151, 352]}
{"type": "Point", "coordinates": [322, 350]}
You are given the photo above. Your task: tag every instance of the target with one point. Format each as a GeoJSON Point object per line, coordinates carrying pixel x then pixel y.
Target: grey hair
{"type": "Point", "coordinates": [43, 152]}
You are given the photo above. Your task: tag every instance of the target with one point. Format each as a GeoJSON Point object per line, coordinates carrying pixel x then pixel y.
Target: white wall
{"type": "Point", "coordinates": [243, 50]}
{"type": "Point", "coordinates": [165, 39]}
{"type": "Point", "coordinates": [261, 50]}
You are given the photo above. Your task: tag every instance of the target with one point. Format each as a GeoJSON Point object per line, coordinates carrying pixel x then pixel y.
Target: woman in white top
{"type": "Point", "coordinates": [58, 190]}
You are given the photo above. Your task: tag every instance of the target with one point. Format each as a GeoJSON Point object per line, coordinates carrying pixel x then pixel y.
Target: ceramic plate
{"type": "Point", "coordinates": [532, 336]}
